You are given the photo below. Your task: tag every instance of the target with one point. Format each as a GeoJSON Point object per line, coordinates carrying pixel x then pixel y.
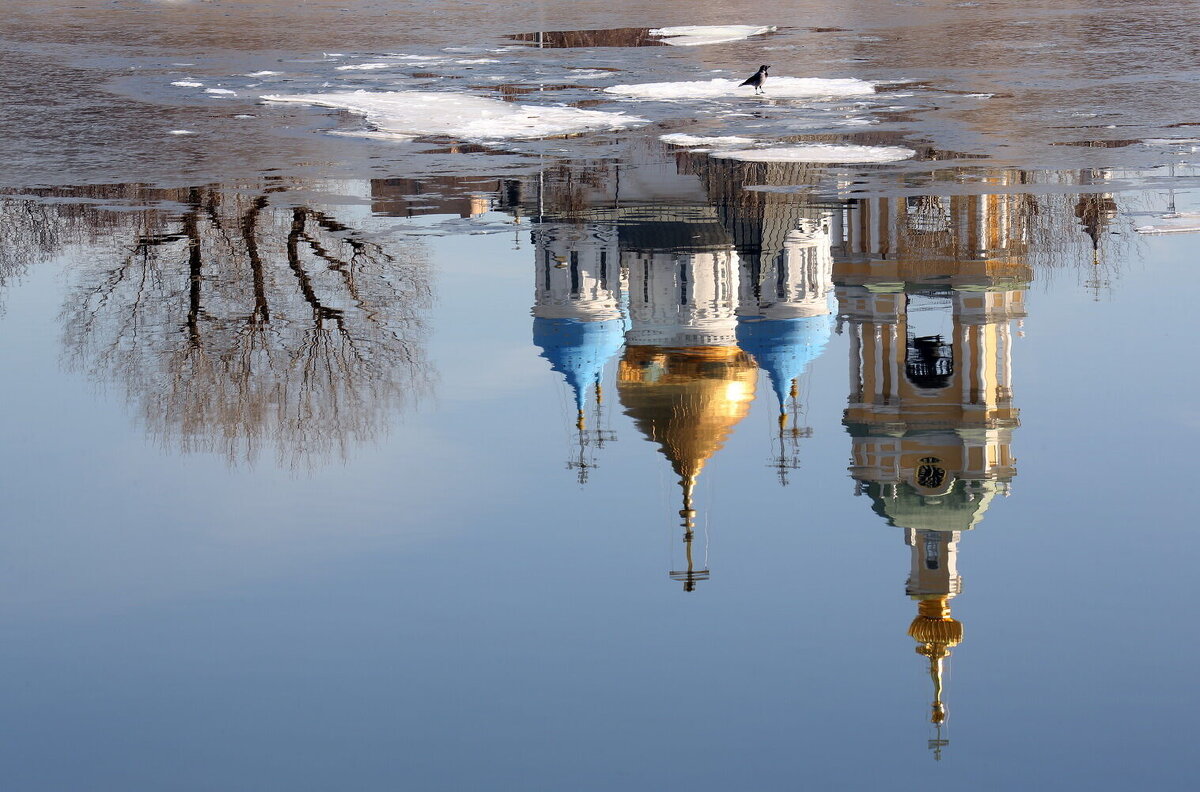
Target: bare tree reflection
{"type": "Point", "coordinates": [248, 325]}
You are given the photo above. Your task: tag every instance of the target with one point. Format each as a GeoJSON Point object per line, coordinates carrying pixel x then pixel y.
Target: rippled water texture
{"type": "Point", "coordinates": [452, 396]}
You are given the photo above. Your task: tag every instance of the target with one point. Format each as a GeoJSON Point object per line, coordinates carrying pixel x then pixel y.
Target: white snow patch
{"type": "Point", "coordinates": [419, 113]}
{"type": "Point", "coordinates": [220, 92]}
{"type": "Point", "coordinates": [181, 132]}
{"type": "Point", "coordinates": [820, 152]}
{"type": "Point", "coordinates": [683, 139]}
{"type": "Point", "coordinates": [369, 134]}
{"type": "Point", "coordinates": [366, 66]}
{"type": "Point", "coordinates": [262, 74]}
{"type": "Point", "coordinates": [588, 74]}
{"type": "Point", "coordinates": [695, 35]}
{"type": "Point", "coordinates": [188, 84]}
{"type": "Point", "coordinates": [1168, 229]}
{"type": "Point", "coordinates": [775, 87]}
{"type": "Point", "coordinates": [466, 61]}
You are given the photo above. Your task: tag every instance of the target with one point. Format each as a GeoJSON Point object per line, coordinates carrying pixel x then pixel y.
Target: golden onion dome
{"type": "Point", "coordinates": [686, 399]}
{"type": "Point", "coordinates": [933, 624]}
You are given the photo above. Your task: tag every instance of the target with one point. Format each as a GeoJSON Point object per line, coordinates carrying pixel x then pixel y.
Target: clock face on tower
{"type": "Point", "coordinates": [930, 473]}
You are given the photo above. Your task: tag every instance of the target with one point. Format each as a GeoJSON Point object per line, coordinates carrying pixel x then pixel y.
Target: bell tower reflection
{"type": "Point", "coordinates": [577, 319]}
{"type": "Point", "coordinates": [929, 287]}
{"type": "Point", "coordinates": [683, 379]}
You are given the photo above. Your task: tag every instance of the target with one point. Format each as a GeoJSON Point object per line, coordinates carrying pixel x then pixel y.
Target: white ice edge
{"type": "Point", "coordinates": [684, 139]}
{"type": "Point", "coordinates": [220, 92]}
{"type": "Point", "coordinates": [188, 84]}
{"type": "Point", "coordinates": [819, 152]}
{"type": "Point", "coordinates": [422, 113]}
{"type": "Point", "coordinates": [775, 87]}
{"type": "Point", "coordinates": [697, 35]}
{"type": "Point", "coordinates": [1168, 229]}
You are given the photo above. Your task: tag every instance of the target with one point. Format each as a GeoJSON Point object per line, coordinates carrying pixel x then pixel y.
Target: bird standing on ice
{"type": "Point", "coordinates": [758, 79]}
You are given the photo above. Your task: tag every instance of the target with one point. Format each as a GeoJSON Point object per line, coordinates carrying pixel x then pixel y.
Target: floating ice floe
{"type": "Point", "coordinates": [181, 132]}
{"type": "Point", "coordinates": [776, 88]}
{"type": "Point", "coordinates": [695, 35]}
{"type": "Point", "coordinates": [1171, 141]}
{"type": "Point", "coordinates": [262, 74]}
{"type": "Point", "coordinates": [683, 139]}
{"type": "Point", "coordinates": [220, 92]}
{"type": "Point", "coordinates": [588, 74]}
{"type": "Point", "coordinates": [1178, 223]}
{"type": "Point", "coordinates": [819, 152]}
{"type": "Point", "coordinates": [421, 113]}
{"type": "Point", "coordinates": [365, 66]}
{"type": "Point", "coordinates": [188, 84]}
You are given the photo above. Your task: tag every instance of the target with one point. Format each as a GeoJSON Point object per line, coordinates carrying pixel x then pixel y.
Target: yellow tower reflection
{"type": "Point", "coordinates": [929, 287]}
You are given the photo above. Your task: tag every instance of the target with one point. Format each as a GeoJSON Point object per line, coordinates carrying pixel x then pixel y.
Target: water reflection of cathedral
{"type": "Point", "coordinates": [928, 288]}
{"type": "Point", "coordinates": [712, 292]}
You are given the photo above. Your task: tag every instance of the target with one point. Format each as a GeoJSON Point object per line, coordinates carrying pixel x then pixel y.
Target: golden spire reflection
{"type": "Point", "coordinates": [936, 633]}
{"type": "Point", "coordinates": [687, 400]}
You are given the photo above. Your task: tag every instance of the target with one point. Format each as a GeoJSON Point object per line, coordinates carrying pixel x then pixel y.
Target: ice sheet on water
{"type": "Point", "coordinates": [696, 35]}
{"type": "Point", "coordinates": [365, 66]}
{"type": "Point", "coordinates": [220, 92]}
{"type": "Point", "coordinates": [188, 84]}
{"type": "Point", "coordinates": [776, 88]}
{"type": "Point", "coordinates": [421, 113]}
{"type": "Point", "coordinates": [683, 139]}
{"type": "Point", "coordinates": [820, 152]}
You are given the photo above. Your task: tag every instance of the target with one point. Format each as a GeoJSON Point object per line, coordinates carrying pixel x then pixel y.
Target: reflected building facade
{"type": "Point", "coordinates": [683, 379]}
{"type": "Point", "coordinates": [577, 320]}
{"type": "Point", "coordinates": [928, 289]}
{"type": "Point", "coordinates": [715, 283]}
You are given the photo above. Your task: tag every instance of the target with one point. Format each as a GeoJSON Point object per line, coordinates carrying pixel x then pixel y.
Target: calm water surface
{"type": "Point", "coordinates": [378, 461]}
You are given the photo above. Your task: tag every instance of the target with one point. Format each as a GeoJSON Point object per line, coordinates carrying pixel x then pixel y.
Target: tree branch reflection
{"type": "Point", "coordinates": [247, 325]}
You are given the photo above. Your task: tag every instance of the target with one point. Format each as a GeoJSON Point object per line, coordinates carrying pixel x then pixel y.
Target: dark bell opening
{"type": "Point", "coordinates": [929, 362]}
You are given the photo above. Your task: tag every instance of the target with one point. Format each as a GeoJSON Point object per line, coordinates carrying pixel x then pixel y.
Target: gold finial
{"type": "Point", "coordinates": [691, 575]}
{"type": "Point", "coordinates": [783, 420]}
{"type": "Point", "coordinates": [580, 420]}
{"type": "Point", "coordinates": [794, 390]}
{"type": "Point", "coordinates": [687, 512]}
{"type": "Point", "coordinates": [937, 633]}
{"type": "Point", "coordinates": [599, 393]}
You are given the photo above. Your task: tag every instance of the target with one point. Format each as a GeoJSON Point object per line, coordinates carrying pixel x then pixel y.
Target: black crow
{"type": "Point", "coordinates": [758, 79]}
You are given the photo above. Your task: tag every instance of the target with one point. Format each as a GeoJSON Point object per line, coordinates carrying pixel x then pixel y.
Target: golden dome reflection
{"type": "Point", "coordinates": [687, 399]}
